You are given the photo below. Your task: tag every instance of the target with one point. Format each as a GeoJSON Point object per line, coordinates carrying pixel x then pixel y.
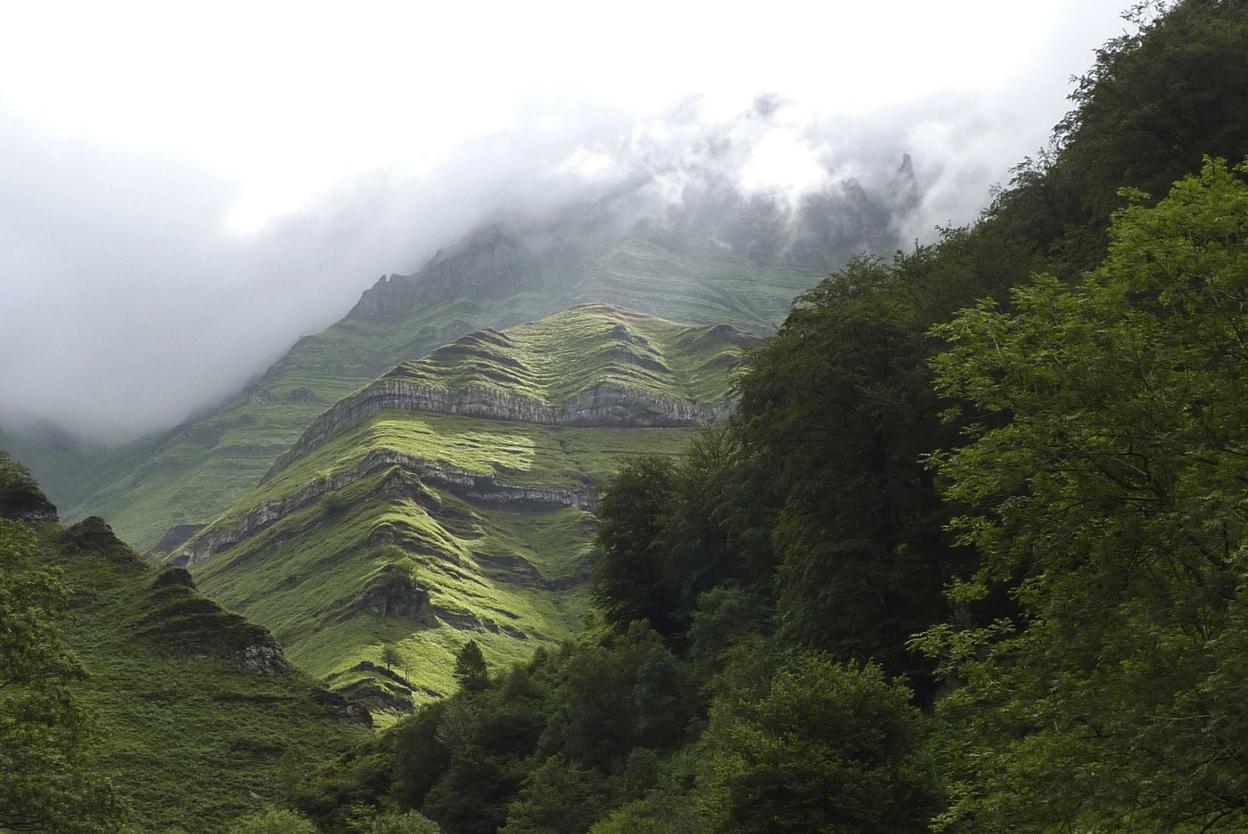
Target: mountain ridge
{"type": "Point", "coordinates": [410, 528]}
{"type": "Point", "coordinates": [194, 707]}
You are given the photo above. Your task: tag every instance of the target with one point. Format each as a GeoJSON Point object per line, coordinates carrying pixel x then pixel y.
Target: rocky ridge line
{"type": "Point", "coordinates": [471, 485]}
{"type": "Point", "coordinates": [604, 404]}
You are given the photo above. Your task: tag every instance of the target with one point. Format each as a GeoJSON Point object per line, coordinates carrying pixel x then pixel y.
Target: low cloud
{"type": "Point", "coordinates": [134, 290]}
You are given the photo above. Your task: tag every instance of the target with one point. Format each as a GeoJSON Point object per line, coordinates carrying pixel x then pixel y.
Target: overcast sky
{"type": "Point", "coordinates": [185, 193]}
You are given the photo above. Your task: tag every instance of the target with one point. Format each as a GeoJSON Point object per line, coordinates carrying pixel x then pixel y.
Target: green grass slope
{"type": "Point", "coordinates": [198, 710]}
{"type": "Point", "coordinates": [492, 279]}
{"type": "Point", "coordinates": [644, 276]}
{"type": "Point", "coordinates": [400, 535]}
{"type": "Point", "coordinates": [562, 355]}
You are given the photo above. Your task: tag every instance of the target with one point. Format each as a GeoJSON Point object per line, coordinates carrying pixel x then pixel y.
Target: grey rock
{"type": "Point", "coordinates": [604, 404]}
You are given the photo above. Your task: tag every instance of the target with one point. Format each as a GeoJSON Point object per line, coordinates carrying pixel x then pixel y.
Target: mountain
{"type": "Point", "coordinates": [719, 257]}
{"type": "Point", "coordinates": [63, 459]}
{"type": "Point", "coordinates": [454, 497]}
{"type": "Point", "coordinates": [196, 707]}
{"type": "Point", "coordinates": [492, 279]}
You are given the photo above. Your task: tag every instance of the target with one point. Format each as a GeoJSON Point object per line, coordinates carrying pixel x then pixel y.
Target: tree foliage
{"type": "Point", "coordinates": [1111, 501]}
{"type": "Point", "coordinates": [629, 582]}
{"type": "Point", "coordinates": [830, 748]}
{"type": "Point", "coordinates": [398, 822]}
{"type": "Point", "coordinates": [46, 781]}
{"type": "Point", "coordinates": [471, 673]}
{"type": "Point", "coordinates": [839, 411]}
{"type": "Point", "coordinates": [273, 821]}
{"type": "Point", "coordinates": [1068, 541]}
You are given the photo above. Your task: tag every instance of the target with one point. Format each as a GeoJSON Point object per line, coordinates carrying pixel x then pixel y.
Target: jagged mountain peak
{"type": "Point", "coordinates": [906, 192]}
{"type": "Point", "coordinates": [906, 168]}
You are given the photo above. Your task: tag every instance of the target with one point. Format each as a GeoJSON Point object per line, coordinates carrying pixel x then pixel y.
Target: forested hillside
{"type": "Point", "coordinates": [962, 547]}
{"type": "Point", "coordinates": [968, 557]}
{"type": "Point", "coordinates": [129, 699]}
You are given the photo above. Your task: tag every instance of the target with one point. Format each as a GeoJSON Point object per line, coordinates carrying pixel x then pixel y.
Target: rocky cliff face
{"type": "Point", "coordinates": [174, 537]}
{"type": "Point", "coordinates": [393, 595]}
{"type": "Point", "coordinates": [493, 260]}
{"type": "Point", "coordinates": [604, 404]}
{"type": "Point", "coordinates": [387, 300]}
{"type": "Point", "coordinates": [476, 486]}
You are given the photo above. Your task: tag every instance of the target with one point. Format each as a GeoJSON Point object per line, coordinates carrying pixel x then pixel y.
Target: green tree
{"type": "Point", "coordinates": [710, 533]}
{"type": "Point", "coordinates": [724, 616]}
{"type": "Point", "coordinates": [471, 673]}
{"type": "Point", "coordinates": [272, 821]}
{"type": "Point", "coordinates": [398, 822]}
{"type": "Point", "coordinates": [1159, 97]}
{"type": "Point", "coordinates": [630, 580]}
{"type": "Point", "coordinates": [489, 737]}
{"type": "Point", "coordinates": [661, 812]}
{"type": "Point", "coordinates": [420, 758]}
{"type": "Point", "coordinates": [622, 691]}
{"type": "Point", "coordinates": [829, 748]}
{"type": "Point", "coordinates": [838, 408]}
{"type": "Point", "coordinates": [558, 798]}
{"type": "Point", "coordinates": [471, 796]}
{"type": "Point", "coordinates": [1107, 472]}
{"type": "Point", "coordinates": [46, 781]}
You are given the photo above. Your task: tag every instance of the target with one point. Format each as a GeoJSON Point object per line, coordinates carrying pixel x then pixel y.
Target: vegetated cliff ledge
{"type": "Point", "coordinates": [606, 404]}
{"type": "Point", "coordinates": [475, 486]}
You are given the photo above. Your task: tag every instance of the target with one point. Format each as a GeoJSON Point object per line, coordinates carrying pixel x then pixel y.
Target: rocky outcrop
{"type": "Point", "coordinates": [604, 404]}
{"type": "Point", "coordinates": [386, 300]}
{"type": "Point", "coordinates": [174, 537]}
{"type": "Point", "coordinates": [188, 626]}
{"type": "Point", "coordinates": [392, 593]}
{"type": "Point", "coordinates": [467, 621]}
{"type": "Point", "coordinates": [93, 535]}
{"type": "Point", "coordinates": [516, 570]}
{"type": "Point", "coordinates": [396, 596]}
{"type": "Point", "coordinates": [474, 486]}
{"type": "Point", "coordinates": [511, 568]}
{"type": "Point", "coordinates": [383, 690]}
{"type": "Point", "coordinates": [905, 192]}
{"type": "Point", "coordinates": [32, 509]}
{"type": "Point", "coordinates": [342, 707]}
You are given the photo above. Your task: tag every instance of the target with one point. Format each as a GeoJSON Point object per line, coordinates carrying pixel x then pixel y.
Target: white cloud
{"type": "Point", "coordinates": [184, 190]}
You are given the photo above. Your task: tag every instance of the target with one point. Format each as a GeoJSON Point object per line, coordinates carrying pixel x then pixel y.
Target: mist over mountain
{"type": "Point", "coordinates": [837, 449]}
{"type": "Point", "coordinates": [132, 279]}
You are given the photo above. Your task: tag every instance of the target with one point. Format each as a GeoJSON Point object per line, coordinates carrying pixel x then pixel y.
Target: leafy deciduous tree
{"type": "Point", "coordinates": [1109, 485]}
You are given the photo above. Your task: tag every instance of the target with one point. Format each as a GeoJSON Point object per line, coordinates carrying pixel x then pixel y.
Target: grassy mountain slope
{"type": "Point", "coordinates": [404, 529]}
{"type": "Point", "coordinates": [564, 354]}
{"type": "Point", "coordinates": [196, 707]}
{"type": "Point", "coordinates": [492, 279]}
{"type": "Point", "coordinates": [645, 276]}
